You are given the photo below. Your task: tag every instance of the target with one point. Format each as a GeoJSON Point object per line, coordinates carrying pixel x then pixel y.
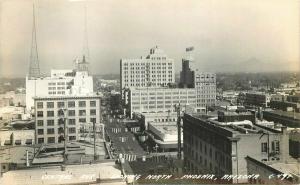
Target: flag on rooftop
{"type": "Point", "coordinates": [189, 49]}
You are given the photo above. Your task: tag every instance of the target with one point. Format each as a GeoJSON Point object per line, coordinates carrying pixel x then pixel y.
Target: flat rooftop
{"type": "Point", "coordinates": [53, 153]}
{"type": "Point", "coordinates": [74, 174]}
{"type": "Point", "coordinates": [238, 127]}
{"type": "Point", "coordinates": [287, 168]}
{"type": "Point", "coordinates": [16, 154]}
{"type": "Point", "coordinates": [88, 96]}
{"type": "Point", "coordinates": [166, 128]}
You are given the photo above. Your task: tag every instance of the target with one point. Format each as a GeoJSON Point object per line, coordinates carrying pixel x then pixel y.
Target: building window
{"type": "Point", "coordinates": [60, 113]}
{"type": "Point", "coordinates": [51, 139]}
{"type": "Point", "coordinates": [275, 146]}
{"type": "Point", "coordinates": [93, 120]}
{"type": "Point", "coordinates": [40, 131]}
{"type": "Point", "coordinates": [71, 104]}
{"type": "Point", "coordinates": [72, 121]}
{"type": "Point", "coordinates": [60, 104]}
{"type": "Point", "coordinates": [40, 114]}
{"type": "Point", "coordinates": [82, 120]}
{"type": "Point", "coordinates": [50, 113]}
{"type": "Point", "coordinates": [72, 130]}
{"type": "Point", "coordinates": [93, 112]}
{"type": "Point", "coordinates": [40, 140]}
{"type": "Point", "coordinates": [60, 130]}
{"type": "Point", "coordinates": [82, 112]}
{"type": "Point", "coordinates": [264, 147]}
{"type": "Point", "coordinates": [50, 122]}
{"type": "Point", "coordinates": [50, 131]}
{"type": "Point", "coordinates": [50, 104]}
{"type": "Point", "coordinates": [82, 104]}
{"type": "Point", "coordinates": [39, 105]}
{"type": "Point", "coordinates": [71, 112]}
{"type": "Point", "coordinates": [40, 123]}
{"type": "Point", "coordinates": [92, 103]}
{"type": "Point", "coordinates": [61, 121]}
{"type": "Point", "coordinates": [72, 138]}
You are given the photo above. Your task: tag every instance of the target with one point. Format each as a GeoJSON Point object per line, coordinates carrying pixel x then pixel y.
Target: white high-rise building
{"type": "Point", "coordinates": [59, 83]}
{"type": "Point", "coordinates": [155, 70]}
{"type": "Point", "coordinates": [155, 100]}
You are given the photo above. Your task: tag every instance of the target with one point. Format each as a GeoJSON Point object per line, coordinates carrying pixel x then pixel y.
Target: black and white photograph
{"type": "Point", "coordinates": [149, 92]}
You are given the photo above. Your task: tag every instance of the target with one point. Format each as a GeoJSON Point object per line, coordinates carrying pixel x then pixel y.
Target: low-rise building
{"type": "Point", "coordinates": [11, 113]}
{"type": "Point", "coordinates": [161, 117]}
{"type": "Point", "coordinates": [220, 148]}
{"type": "Point", "coordinates": [9, 137]}
{"type": "Point", "coordinates": [78, 113]}
{"type": "Point", "coordinates": [285, 106]}
{"type": "Point", "coordinates": [230, 116]}
{"type": "Point", "coordinates": [294, 98]}
{"type": "Point", "coordinates": [288, 119]}
{"type": "Point", "coordinates": [273, 172]}
{"type": "Point", "coordinates": [257, 99]}
{"type": "Point", "coordinates": [105, 173]}
{"type": "Point", "coordinates": [164, 136]}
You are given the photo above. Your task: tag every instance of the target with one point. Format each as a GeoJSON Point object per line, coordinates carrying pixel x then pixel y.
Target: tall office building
{"type": "Point", "coordinates": [60, 83]}
{"type": "Point", "coordinates": [206, 89]}
{"type": "Point", "coordinates": [203, 82]}
{"type": "Point", "coordinates": [77, 112]}
{"type": "Point", "coordinates": [155, 70]}
{"type": "Point", "coordinates": [187, 75]}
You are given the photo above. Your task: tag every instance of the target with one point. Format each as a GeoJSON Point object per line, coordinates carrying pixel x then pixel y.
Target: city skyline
{"type": "Point", "coordinates": [229, 36]}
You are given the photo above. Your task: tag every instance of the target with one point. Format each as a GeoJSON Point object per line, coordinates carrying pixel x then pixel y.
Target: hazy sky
{"type": "Point", "coordinates": [228, 35]}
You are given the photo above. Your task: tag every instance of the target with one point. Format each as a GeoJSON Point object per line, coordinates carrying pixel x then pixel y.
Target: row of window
{"type": "Point", "coordinates": [70, 113]}
{"type": "Point", "coordinates": [275, 147]}
{"type": "Point", "coordinates": [52, 139]}
{"type": "Point", "coordinates": [40, 123]}
{"type": "Point", "coordinates": [144, 63]}
{"type": "Point", "coordinates": [40, 105]}
{"type": "Point", "coordinates": [58, 92]}
{"type": "Point", "coordinates": [71, 130]}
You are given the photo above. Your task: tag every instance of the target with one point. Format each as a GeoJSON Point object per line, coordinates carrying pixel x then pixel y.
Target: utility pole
{"type": "Point", "coordinates": [177, 109]}
{"type": "Point", "coordinates": [65, 139]}
{"type": "Point", "coordinates": [94, 129]}
{"type": "Point", "coordinates": [63, 118]}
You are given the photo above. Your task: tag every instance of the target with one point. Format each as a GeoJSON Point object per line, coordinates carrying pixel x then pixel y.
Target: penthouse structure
{"type": "Point", "coordinates": [155, 70]}
{"type": "Point", "coordinates": [154, 100]}
{"type": "Point", "coordinates": [220, 148]}
{"type": "Point", "coordinates": [77, 113]}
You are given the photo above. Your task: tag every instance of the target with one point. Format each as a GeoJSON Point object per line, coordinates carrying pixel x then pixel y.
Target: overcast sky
{"type": "Point", "coordinates": [228, 35]}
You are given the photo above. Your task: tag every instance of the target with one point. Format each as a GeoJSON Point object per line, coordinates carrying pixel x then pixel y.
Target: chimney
{"type": "Point", "coordinates": [284, 145]}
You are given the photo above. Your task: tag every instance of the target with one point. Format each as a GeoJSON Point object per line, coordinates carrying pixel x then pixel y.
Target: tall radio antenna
{"type": "Point", "coordinates": [34, 68]}
{"type": "Point", "coordinates": [86, 51]}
